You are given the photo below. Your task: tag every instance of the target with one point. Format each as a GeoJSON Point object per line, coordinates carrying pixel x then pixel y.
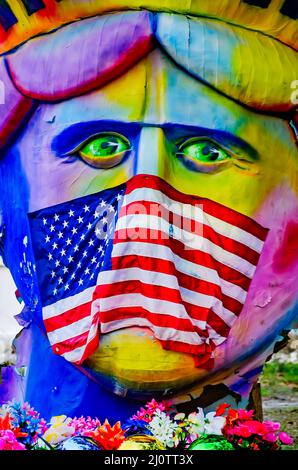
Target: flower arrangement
{"type": "Point", "coordinates": [155, 426]}
{"type": "Point", "coordinates": [24, 422]}
{"type": "Point", "coordinates": [9, 435]}
{"type": "Point", "coordinates": [244, 432]}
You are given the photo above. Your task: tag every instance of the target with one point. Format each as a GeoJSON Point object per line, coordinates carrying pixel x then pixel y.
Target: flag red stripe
{"type": "Point", "coordinates": [67, 318]}
{"type": "Point", "coordinates": [218, 324]}
{"type": "Point", "coordinates": [90, 349]}
{"type": "Point", "coordinates": [160, 320]}
{"type": "Point", "coordinates": [154, 292]}
{"type": "Point", "coordinates": [168, 267]}
{"type": "Point", "coordinates": [199, 350]}
{"type": "Point", "coordinates": [210, 207]}
{"type": "Point", "coordinates": [70, 344]}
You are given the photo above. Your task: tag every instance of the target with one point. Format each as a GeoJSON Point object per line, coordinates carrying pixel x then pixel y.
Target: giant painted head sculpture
{"type": "Point", "coordinates": [149, 193]}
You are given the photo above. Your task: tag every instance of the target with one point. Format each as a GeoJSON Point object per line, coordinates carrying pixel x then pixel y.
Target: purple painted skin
{"type": "Point", "coordinates": [121, 81]}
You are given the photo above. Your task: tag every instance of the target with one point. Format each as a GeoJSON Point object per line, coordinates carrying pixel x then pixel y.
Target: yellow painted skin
{"type": "Point", "coordinates": [137, 360]}
{"type": "Point", "coordinates": [270, 20]}
{"type": "Point", "coordinates": [132, 357]}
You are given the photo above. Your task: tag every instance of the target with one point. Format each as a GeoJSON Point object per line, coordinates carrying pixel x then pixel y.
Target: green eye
{"type": "Point", "coordinates": [105, 150]}
{"type": "Point", "coordinates": [199, 153]}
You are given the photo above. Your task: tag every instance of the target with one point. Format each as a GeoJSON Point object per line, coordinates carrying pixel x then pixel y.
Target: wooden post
{"type": "Point", "coordinates": [255, 401]}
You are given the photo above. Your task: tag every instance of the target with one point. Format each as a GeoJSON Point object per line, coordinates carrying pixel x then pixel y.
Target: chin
{"type": "Point", "coordinates": [132, 362]}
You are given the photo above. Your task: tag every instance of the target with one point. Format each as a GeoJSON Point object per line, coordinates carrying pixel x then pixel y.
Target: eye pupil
{"type": "Point", "coordinates": [197, 151]}
{"type": "Point", "coordinates": [206, 150]}
{"type": "Point", "coordinates": [105, 150]}
{"type": "Point", "coordinates": [107, 145]}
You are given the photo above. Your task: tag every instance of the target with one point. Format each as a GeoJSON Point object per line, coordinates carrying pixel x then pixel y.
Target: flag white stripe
{"type": "Point", "coordinates": [67, 332]}
{"type": "Point", "coordinates": [216, 338]}
{"type": "Point", "coordinates": [64, 305]}
{"type": "Point", "coordinates": [165, 334]}
{"type": "Point", "coordinates": [182, 265]}
{"type": "Point", "coordinates": [76, 354]}
{"type": "Point", "coordinates": [132, 224]}
{"type": "Point", "coordinates": [208, 301]}
{"type": "Point", "coordinates": [196, 213]}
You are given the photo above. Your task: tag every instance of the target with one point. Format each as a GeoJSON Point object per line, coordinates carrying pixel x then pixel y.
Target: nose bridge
{"type": "Point", "coordinates": [152, 152]}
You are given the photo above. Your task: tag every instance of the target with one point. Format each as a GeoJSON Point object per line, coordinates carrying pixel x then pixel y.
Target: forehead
{"type": "Point", "coordinates": [86, 55]}
{"type": "Point", "coordinates": [157, 92]}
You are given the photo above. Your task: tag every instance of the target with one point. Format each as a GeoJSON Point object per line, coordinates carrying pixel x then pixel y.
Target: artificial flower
{"type": "Point", "coordinates": [27, 420]}
{"type": "Point", "coordinates": [285, 438]}
{"type": "Point", "coordinates": [9, 435]}
{"type": "Point", "coordinates": [146, 414]}
{"type": "Point", "coordinates": [132, 427]}
{"type": "Point", "coordinates": [271, 426]}
{"type": "Point", "coordinates": [106, 436]}
{"type": "Point", "coordinates": [222, 408]}
{"type": "Point", "coordinates": [59, 430]}
{"type": "Point", "coordinates": [196, 422]}
{"type": "Point", "coordinates": [163, 428]}
{"type": "Point", "coordinates": [8, 441]}
{"type": "Point", "coordinates": [214, 424]}
{"type": "Point", "coordinates": [83, 424]}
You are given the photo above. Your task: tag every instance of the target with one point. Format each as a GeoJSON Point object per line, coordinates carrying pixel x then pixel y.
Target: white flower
{"type": "Point", "coordinates": [163, 428]}
{"type": "Point", "coordinates": [179, 417]}
{"type": "Point", "coordinates": [214, 424]}
{"type": "Point", "coordinates": [196, 422]}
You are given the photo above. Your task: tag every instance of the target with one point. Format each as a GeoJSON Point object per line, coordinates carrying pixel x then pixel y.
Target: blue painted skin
{"type": "Point", "coordinates": [188, 108]}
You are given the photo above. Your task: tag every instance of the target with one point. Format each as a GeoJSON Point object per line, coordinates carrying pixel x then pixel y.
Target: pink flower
{"type": "Point", "coordinates": [142, 415]}
{"type": "Point", "coordinates": [256, 427]}
{"type": "Point", "coordinates": [285, 438]}
{"type": "Point", "coordinates": [146, 414]}
{"type": "Point", "coordinates": [271, 426]}
{"type": "Point", "coordinates": [82, 424]}
{"type": "Point", "coordinates": [8, 441]}
{"type": "Point", "coordinates": [153, 406]}
{"type": "Point", "coordinates": [270, 437]}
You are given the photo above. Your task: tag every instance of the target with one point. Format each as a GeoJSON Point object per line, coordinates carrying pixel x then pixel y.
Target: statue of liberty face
{"type": "Point", "coordinates": [158, 118]}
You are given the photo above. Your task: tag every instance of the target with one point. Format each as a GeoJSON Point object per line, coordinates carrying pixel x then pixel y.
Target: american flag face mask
{"type": "Point", "coordinates": [143, 254]}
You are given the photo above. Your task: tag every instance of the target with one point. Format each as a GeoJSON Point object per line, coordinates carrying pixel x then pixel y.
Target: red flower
{"type": "Point", "coordinates": [6, 424]}
{"type": "Point", "coordinates": [108, 437]}
{"type": "Point", "coordinates": [221, 409]}
{"type": "Point", "coordinates": [254, 446]}
{"type": "Point", "coordinates": [243, 414]}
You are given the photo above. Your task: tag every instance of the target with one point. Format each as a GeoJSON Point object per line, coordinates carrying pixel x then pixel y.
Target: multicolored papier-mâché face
{"type": "Point", "coordinates": [201, 111]}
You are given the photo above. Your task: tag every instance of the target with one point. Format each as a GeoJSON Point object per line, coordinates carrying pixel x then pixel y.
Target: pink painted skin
{"type": "Point", "coordinates": [268, 300]}
{"type": "Point", "coordinates": [265, 191]}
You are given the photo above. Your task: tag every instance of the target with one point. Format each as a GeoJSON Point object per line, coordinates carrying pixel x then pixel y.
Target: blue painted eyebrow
{"type": "Point", "coordinates": [75, 135]}
{"type": "Point", "coordinates": [224, 138]}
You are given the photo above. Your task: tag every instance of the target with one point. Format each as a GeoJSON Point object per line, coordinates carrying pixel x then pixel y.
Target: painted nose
{"type": "Point", "coordinates": [153, 153]}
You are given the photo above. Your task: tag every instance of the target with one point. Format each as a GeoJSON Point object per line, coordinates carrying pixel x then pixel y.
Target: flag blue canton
{"type": "Point", "coordinates": [73, 242]}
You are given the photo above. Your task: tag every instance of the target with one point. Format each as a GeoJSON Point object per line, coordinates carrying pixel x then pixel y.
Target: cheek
{"type": "Point", "coordinates": [287, 254]}
{"type": "Point", "coordinates": [273, 293]}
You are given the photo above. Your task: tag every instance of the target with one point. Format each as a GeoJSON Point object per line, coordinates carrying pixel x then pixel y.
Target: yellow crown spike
{"type": "Point", "coordinates": [21, 20]}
